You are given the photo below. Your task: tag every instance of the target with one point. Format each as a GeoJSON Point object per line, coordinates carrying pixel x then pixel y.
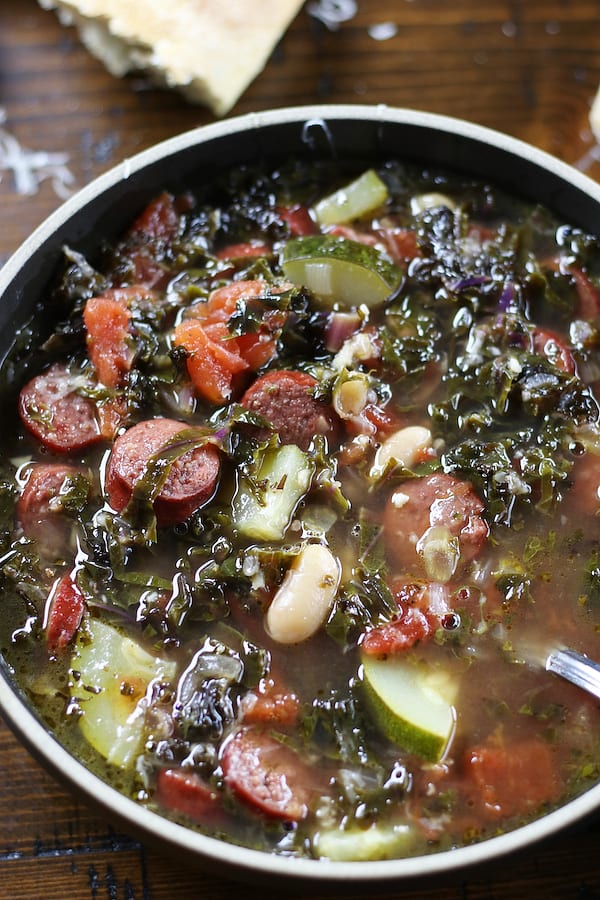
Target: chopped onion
{"type": "Point", "coordinates": [440, 553]}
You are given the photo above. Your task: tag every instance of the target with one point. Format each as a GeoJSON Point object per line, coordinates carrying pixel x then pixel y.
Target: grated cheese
{"type": "Point", "coordinates": [30, 168]}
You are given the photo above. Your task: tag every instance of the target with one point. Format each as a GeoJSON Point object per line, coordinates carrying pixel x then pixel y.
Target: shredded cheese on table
{"type": "Point", "coordinates": [30, 168]}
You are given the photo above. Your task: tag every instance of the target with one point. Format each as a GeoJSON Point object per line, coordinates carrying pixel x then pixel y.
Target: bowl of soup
{"type": "Point", "coordinates": [299, 488]}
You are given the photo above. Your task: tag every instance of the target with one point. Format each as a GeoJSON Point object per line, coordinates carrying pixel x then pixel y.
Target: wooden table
{"type": "Point", "coordinates": [529, 68]}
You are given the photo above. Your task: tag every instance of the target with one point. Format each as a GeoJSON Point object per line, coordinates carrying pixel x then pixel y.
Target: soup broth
{"type": "Point", "coordinates": [297, 493]}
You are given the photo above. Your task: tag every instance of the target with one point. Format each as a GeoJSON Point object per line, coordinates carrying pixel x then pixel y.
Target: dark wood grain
{"type": "Point", "coordinates": [528, 68]}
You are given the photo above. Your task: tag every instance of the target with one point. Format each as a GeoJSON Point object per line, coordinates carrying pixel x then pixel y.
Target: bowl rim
{"type": "Point", "coordinates": [238, 860]}
{"type": "Point", "coordinates": [381, 113]}
{"type": "Point", "coordinates": [242, 861]}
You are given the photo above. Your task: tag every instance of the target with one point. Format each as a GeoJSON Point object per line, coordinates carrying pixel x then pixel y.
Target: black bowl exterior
{"type": "Point", "coordinates": [100, 212]}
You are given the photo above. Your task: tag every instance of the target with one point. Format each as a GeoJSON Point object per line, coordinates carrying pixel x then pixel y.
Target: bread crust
{"type": "Point", "coordinates": [595, 117]}
{"type": "Point", "coordinates": [209, 49]}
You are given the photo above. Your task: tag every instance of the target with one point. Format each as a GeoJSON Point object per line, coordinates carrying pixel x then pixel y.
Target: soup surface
{"type": "Point", "coordinates": [298, 489]}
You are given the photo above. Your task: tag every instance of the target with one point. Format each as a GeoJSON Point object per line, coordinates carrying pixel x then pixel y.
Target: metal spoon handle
{"type": "Point", "coordinates": [575, 667]}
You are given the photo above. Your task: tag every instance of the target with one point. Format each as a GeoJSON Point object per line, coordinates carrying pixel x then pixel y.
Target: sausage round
{"type": "Point", "coordinates": [59, 417]}
{"type": "Point", "coordinates": [267, 775]}
{"type": "Point", "coordinates": [434, 500]}
{"type": "Point", "coordinates": [185, 792]}
{"type": "Point", "coordinates": [192, 478]}
{"type": "Point", "coordinates": [64, 612]}
{"type": "Point", "coordinates": [584, 495]}
{"type": "Point", "coordinates": [39, 510]}
{"type": "Point", "coordinates": [286, 400]}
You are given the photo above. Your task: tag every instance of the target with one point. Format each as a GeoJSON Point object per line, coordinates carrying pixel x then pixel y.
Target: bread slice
{"type": "Point", "coordinates": [209, 49]}
{"type": "Point", "coordinates": [595, 117]}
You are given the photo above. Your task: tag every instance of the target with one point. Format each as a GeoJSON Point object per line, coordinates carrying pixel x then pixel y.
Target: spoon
{"type": "Point", "coordinates": [568, 664]}
{"type": "Point", "coordinates": [576, 668]}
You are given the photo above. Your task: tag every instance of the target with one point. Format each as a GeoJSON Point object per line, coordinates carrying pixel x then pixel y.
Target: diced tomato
{"type": "Point", "coordinates": [353, 234]}
{"type": "Point", "coordinates": [107, 321]}
{"type": "Point", "coordinates": [112, 413]}
{"type": "Point", "coordinates": [374, 421]}
{"type": "Point", "coordinates": [421, 608]}
{"type": "Point", "coordinates": [588, 296]}
{"type": "Point", "coordinates": [183, 791]}
{"type": "Point", "coordinates": [157, 224]}
{"type": "Point", "coordinates": [158, 221]}
{"type": "Point", "coordinates": [401, 244]}
{"type": "Point", "coordinates": [384, 420]}
{"type": "Point", "coordinates": [298, 220]}
{"type": "Point", "coordinates": [481, 233]}
{"type": "Point", "coordinates": [222, 302]}
{"type": "Point", "coordinates": [256, 348]}
{"type": "Point", "coordinates": [213, 358]}
{"type": "Point", "coordinates": [246, 250]}
{"type": "Point", "coordinates": [550, 345]}
{"type": "Point", "coordinates": [64, 610]}
{"type": "Point", "coordinates": [409, 628]}
{"type": "Point", "coordinates": [513, 779]}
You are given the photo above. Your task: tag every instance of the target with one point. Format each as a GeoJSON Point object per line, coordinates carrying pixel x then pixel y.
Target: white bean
{"type": "Point", "coordinates": [421, 202]}
{"type": "Point", "coordinates": [403, 448]}
{"type": "Point", "coordinates": [351, 396]}
{"type": "Point", "coordinates": [358, 348]}
{"type": "Point", "coordinates": [440, 552]}
{"type": "Point", "coordinates": [305, 596]}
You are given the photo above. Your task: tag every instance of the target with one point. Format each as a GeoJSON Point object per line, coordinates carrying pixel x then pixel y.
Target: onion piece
{"type": "Point", "coordinates": [440, 552]}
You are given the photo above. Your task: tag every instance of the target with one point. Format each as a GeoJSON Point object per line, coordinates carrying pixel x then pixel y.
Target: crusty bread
{"type": "Point", "coordinates": [595, 117]}
{"type": "Point", "coordinates": [209, 49]}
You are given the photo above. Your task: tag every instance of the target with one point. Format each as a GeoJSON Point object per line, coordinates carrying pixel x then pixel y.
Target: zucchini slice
{"type": "Point", "coordinates": [356, 844]}
{"type": "Point", "coordinates": [110, 674]}
{"type": "Point", "coordinates": [412, 705]}
{"type": "Point", "coordinates": [263, 507]}
{"type": "Point", "coordinates": [362, 196]}
{"type": "Point", "coordinates": [338, 270]}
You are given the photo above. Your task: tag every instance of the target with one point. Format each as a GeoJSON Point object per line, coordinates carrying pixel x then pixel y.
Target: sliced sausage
{"type": "Point", "coordinates": [39, 508]}
{"type": "Point", "coordinates": [190, 483]}
{"type": "Point", "coordinates": [184, 791]}
{"type": "Point", "coordinates": [416, 507]}
{"type": "Point", "coordinates": [268, 775]}
{"type": "Point", "coordinates": [286, 400]}
{"type": "Point", "coordinates": [58, 416]}
{"type": "Point", "coordinates": [64, 612]}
